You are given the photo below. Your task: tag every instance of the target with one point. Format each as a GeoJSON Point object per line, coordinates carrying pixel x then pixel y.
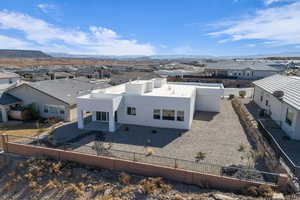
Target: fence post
{"type": "Point", "coordinates": [4, 140]}
{"type": "Point", "coordinates": [282, 180]}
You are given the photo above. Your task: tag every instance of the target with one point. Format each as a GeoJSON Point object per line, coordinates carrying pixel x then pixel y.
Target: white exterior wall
{"type": "Point", "coordinates": [200, 97]}
{"type": "Point", "coordinates": [144, 111]}
{"type": "Point", "coordinates": [6, 80]}
{"type": "Point", "coordinates": [208, 99]}
{"type": "Point", "coordinates": [277, 110]}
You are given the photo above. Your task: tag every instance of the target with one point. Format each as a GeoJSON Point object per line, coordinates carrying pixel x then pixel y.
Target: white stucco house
{"type": "Point", "coordinates": [8, 79]}
{"type": "Point", "coordinates": [154, 103]}
{"type": "Point", "coordinates": [285, 108]}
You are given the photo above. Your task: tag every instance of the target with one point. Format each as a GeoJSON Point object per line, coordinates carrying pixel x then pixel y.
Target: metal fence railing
{"type": "Point", "coordinates": [98, 149]}
{"type": "Point", "coordinates": [280, 153]}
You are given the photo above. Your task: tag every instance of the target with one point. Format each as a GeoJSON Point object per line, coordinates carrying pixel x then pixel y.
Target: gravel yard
{"type": "Point", "coordinates": [218, 135]}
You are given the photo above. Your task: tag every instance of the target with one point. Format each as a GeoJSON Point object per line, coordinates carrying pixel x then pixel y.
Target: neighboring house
{"type": "Point", "coordinates": [60, 75]}
{"type": "Point", "coordinates": [8, 79]}
{"type": "Point", "coordinates": [54, 98]}
{"type": "Point", "coordinates": [285, 109]}
{"type": "Point", "coordinates": [7, 101]}
{"type": "Point", "coordinates": [248, 70]}
{"type": "Point", "coordinates": [152, 102]}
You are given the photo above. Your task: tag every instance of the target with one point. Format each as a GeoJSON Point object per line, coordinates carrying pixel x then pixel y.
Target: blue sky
{"type": "Point", "coordinates": [141, 27]}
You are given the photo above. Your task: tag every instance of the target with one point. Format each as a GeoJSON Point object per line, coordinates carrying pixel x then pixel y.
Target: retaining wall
{"type": "Point", "coordinates": [185, 176]}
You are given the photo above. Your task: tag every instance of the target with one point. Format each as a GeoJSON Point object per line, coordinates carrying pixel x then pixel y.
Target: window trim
{"type": "Point", "coordinates": [131, 111]}
{"type": "Point", "coordinates": [155, 114]}
{"type": "Point", "coordinates": [169, 118]}
{"type": "Point", "coordinates": [180, 118]}
{"type": "Point", "coordinates": [287, 120]}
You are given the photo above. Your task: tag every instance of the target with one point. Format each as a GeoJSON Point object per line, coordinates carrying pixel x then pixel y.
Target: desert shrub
{"type": "Point", "coordinates": [200, 156]}
{"type": "Point", "coordinates": [74, 189]}
{"type": "Point", "coordinates": [265, 191]}
{"type": "Point", "coordinates": [149, 185]}
{"type": "Point", "coordinates": [124, 178]}
{"type": "Point", "coordinates": [33, 185]}
{"type": "Point", "coordinates": [52, 185]}
{"type": "Point", "coordinates": [250, 191]}
{"type": "Point", "coordinates": [242, 148]}
{"type": "Point", "coordinates": [262, 191]}
{"type": "Point", "coordinates": [242, 93]}
{"type": "Point", "coordinates": [149, 152]}
{"type": "Point", "coordinates": [231, 96]}
{"type": "Point", "coordinates": [99, 187]}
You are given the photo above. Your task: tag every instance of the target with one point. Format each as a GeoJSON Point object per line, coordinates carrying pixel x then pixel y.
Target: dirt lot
{"type": "Point", "coordinates": [43, 179]}
{"type": "Point", "coordinates": [21, 62]}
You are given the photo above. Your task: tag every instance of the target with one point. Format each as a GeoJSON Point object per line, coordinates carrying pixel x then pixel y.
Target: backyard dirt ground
{"type": "Point", "coordinates": [219, 136]}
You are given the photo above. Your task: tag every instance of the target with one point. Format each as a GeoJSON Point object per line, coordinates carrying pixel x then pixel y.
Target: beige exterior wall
{"type": "Point", "coordinates": [30, 95]}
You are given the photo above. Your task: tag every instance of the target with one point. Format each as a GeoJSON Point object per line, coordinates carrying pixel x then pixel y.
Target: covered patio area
{"type": "Point", "coordinates": [98, 112]}
{"type": "Point", "coordinates": [6, 102]}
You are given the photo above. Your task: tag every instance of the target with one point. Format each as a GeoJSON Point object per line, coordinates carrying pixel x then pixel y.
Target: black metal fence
{"type": "Point", "coordinates": [242, 173]}
{"type": "Point", "coordinates": [280, 153]}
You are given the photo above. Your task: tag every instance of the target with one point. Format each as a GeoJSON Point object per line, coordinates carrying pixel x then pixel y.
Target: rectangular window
{"type": "Point", "coordinates": [102, 116]}
{"type": "Point", "coordinates": [131, 111]}
{"type": "Point", "coordinates": [261, 98]}
{"type": "Point", "coordinates": [46, 109]}
{"type": "Point", "coordinates": [156, 114]}
{"type": "Point", "coordinates": [289, 116]}
{"type": "Point", "coordinates": [267, 102]}
{"type": "Point", "coordinates": [180, 115]}
{"type": "Point", "coordinates": [54, 109]}
{"type": "Point", "coordinates": [168, 115]}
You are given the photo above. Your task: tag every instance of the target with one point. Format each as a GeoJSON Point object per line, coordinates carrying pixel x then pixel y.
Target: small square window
{"type": "Point", "coordinates": [168, 115]}
{"type": "Point", "coordinates": [180, 115]}
{"type": "Point", "coordinates": [131, 111]}
{"type": "Point", "coordinates": [289, 116]}
{"type": "Point", "coordinates": [46, 110]}
{"type": "Point", "coordinates": [156, 114]}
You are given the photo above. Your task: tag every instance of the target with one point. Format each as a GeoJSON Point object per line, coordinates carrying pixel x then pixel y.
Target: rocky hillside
{"type": "Point", "coordinates": [4, 53]}
{"type": "Point", "coordinates": [41, 178]}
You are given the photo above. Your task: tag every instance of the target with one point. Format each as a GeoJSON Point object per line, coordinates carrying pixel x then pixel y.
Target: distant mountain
{"type": "Point", "coordinates": [132, 57]}
{"type": "Point", "coordinates": [7, 53]}
{"type": "Point", "coordinates": [174, 57]}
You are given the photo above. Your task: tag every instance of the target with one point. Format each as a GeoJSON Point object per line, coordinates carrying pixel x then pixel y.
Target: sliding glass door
{"type": "Point", "coordinates": [102, 116]}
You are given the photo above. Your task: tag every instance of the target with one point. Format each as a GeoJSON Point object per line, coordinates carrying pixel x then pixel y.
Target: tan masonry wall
{"type": "Point", "coordinates": [189, 177]}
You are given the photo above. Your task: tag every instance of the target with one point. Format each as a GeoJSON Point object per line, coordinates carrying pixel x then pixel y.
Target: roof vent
{"type": "Point", "coordinates": [278, 94]}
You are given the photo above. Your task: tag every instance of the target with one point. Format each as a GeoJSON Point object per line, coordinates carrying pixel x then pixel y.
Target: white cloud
{"type": "Point", "coordinates": [269, 2]}
{"type": "Point", "coordinates": [276, 26]}
{"type": "Point", "coordinates": [46, 7]}
{"type": "Point", "coordinates": [97, 40]}
{"type": "Point", "coordinates": [12, 43]}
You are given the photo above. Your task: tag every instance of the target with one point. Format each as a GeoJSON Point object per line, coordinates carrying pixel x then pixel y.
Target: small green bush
{"type": "Point", "coordinates": [242, 148]}
{"type": "Point", "coordinates": [242, 93]}
{"type": "Point", "coordinates": [200, 156]}
{"type": "Point", "coordinates": [231, 96]}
